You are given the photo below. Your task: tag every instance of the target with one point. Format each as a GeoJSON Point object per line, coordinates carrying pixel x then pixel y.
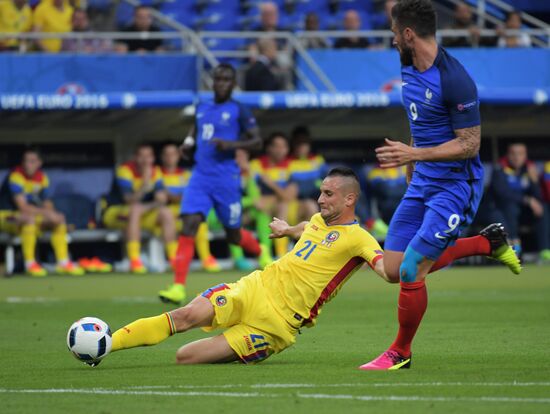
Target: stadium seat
{"type": "Point", "coordinates": [216, 21]}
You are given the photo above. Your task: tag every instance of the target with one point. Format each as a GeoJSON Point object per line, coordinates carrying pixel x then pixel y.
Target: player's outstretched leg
{"type": "Point", "coordinates": [491, 241]}
{"type": "Point", "coordinates": [500, 249]}
{"type": "Point", "coordinates": [153, 330]}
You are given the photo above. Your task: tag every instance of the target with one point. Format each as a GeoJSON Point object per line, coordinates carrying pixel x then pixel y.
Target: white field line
{"type": "Point", "coordinates": [390, 398]}
{"type": "Point", "coordinates": [354, 385]}
{"type": "Point", "coordinates": [37, 299]}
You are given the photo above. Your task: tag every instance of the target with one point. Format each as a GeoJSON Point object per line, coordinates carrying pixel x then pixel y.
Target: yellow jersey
{"type": "Point", "coordinates": [14, 20]}
{"type": "Point", "coordinates": [312, 273]}
{"type": "Point", "coordinates": [49, 19]}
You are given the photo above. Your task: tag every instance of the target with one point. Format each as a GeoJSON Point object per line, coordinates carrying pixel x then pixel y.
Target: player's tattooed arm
{"type": "Point", "coordinates": [464, 146]}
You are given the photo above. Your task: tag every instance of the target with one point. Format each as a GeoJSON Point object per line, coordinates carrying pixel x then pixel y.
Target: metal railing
{"type": "Point", "coordinates": [195, 42]}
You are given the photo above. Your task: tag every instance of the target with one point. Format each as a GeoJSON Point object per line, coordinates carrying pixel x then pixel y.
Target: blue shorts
{"type": "Point", "coordinates": [206, 192]}
{"type": "Point", "coordinates": [432, 214]}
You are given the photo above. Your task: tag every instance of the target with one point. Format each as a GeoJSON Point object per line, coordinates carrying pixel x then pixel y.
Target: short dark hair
{"type": "Point", "coordinates": [273, 136]}
{"type": "Point", "coordinates": [419, 15]}
{"type": "Point", "coordinates": [300, 135]}
{"type": "Point", "coordinates": [226, 66]}
{"type": "Point", "coordinates": [343, 172]}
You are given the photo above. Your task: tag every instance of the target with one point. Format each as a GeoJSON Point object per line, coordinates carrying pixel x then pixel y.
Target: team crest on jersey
{"type": "Point", "coordinates": [331, 238]}
{"type": "Point", "coordinates": [221, 300]}
{"type": "Point", "coordinates": [226, 116]}
{"type": "Point", "coordinates": [428, 94]}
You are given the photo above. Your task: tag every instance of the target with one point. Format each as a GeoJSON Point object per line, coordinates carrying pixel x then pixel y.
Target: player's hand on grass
{"type": "Point", "coordinates": [222, 144]}
{"type": "Point", "coordinates": [395, 154]}
{"type": "Point", "coordinates": [278, 228]}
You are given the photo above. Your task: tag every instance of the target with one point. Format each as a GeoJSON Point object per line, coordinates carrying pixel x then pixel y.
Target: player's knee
{"type": "Point", "coordinates": [165, 215]}
{"type": "Point", "coordinates": [185, 357]}
{"type": "Point", "coordinates": [191, 224]}
{"type": "Point", "coordinates": [135, 210]}
{"type": "Point", "coordinates": [392, 271]}
{"type": "Point", "coordinates": [27, 219]}
{"type": "Point", "coordinates": [408, 270]}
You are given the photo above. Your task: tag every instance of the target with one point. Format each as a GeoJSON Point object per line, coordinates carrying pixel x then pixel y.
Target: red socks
{"type": "Point", "coordinates": [184, 256]}
{"type": "Point", "coordinates": [249, 243]}
{"type": "Point", "coordinates": [470, 246]}
{"type": "Point", "coordinates": [413, 301]}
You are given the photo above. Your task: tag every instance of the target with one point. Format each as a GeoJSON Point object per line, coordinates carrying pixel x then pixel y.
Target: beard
{"type": "Point", "coordinates": [406, 56]}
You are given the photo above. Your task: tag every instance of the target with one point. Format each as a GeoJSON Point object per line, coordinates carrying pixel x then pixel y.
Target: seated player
{"type": "Point", "coordinates": [175, 179]}
{"type": "Point", "coordinates": [306, 171]}
{"type": "Point", "coordinates": [263, 312]}
{"type": "Point", "coordinates": [138, 201]}
{"type": "Point", "coordinates": [514, 196]}
{"type": "Point", "coordinates": [272, 174]}
{"type": "Point", "coordinates": [26, 208]}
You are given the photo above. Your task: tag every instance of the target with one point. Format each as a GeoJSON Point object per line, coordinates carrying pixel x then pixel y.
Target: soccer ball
{"type": "Point", "coordinates": [89, 340]}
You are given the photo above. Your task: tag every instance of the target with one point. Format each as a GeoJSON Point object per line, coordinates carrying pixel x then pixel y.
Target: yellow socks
{"type": "Point", "coordinates": [202, 243]}
{"type": "Point", "coordinates": [171, 249]}
{"type": "Point", "coordinates": [133, 249]}
{"type": "Point", "coordinates": [59, 243]}
{"type": "Point", "coordinates": [281, 246]}
{"type": "Point", "coordinates": [146, 331]}
{"type": "Point", "coordinates": [28, 242]}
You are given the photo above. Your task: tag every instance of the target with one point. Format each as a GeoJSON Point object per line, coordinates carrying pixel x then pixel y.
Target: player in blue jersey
{"type": "Point", "coordinates": [221, 126]}
{"type": "Point", "coordinates": [442, 105]}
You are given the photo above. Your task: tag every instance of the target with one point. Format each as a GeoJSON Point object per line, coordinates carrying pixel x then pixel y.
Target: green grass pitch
{"type": "Point", "coordinates": [484, 346]}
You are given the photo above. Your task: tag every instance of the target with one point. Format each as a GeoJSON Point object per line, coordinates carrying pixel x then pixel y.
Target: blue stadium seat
{"type": "Point", "coordinates": [124, 15]}
{"type": "Point", "coordinates": [180, 10]}
{"type": "Point", "coordinates": [359, 5]}
{"type": "Point", "coordinates": [222, 20]}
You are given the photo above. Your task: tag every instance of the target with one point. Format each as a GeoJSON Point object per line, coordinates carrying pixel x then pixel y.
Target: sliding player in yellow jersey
{"type": "Point", "coordinates": [262, 312]}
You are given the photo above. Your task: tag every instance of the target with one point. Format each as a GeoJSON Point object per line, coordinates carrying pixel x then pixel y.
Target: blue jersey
{"type": "Point", "coordinates": [438, 101]}
{"type": "Point", "coordinates": [227, 121]}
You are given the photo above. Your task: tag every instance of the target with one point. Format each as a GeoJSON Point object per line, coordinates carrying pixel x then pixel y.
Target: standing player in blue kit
{"type": "Point", "coordinates": [221, 126]}
{"type": "Point", "coordinates": [442, 105]}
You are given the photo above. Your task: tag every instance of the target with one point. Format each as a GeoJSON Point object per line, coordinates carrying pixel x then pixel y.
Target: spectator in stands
{"type": "Point", "coordinates": [52, 16]}
{"type": "Point", "coordinates": [312, 25]}
{"type": "Point", "coordinates": [175, 179]}
{"type": "Point", "coordinates": [514, 195]}
{"type": "Point", "coordinates": [463, 20]}
{"type": "Point", "coordinates": [545, 253]}
{"type": "Point", "coordinates": [307, 170]}
{"type": "Point", "coordinates": [513, 22]}
{"type": "Point", "coordinates": [272, 174]}
{"type": "Point", "coordinates": [138, 200]}
{"type": "Point", "coordinates": [81, 24]}
{"type": "Point", "coordinates": [386, 187]}
{"type": "Point", "coordinates": [264, 74]}
{"type": "Point", "coordinates": [352, 22]}
{"type": "Point", "coordinates": [15, 17]}
{"type": "Point", "coordinates": [143, 24]}
{"type": "Point", "coordinates": [26, 208]}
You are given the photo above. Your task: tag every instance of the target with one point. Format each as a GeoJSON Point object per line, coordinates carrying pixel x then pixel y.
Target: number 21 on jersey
{"type": "Point", "coordinates": [306, 251]}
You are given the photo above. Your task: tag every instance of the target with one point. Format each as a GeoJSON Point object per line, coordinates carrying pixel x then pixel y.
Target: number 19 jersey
{"type": "Point", "coordinates": [228, 121]}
